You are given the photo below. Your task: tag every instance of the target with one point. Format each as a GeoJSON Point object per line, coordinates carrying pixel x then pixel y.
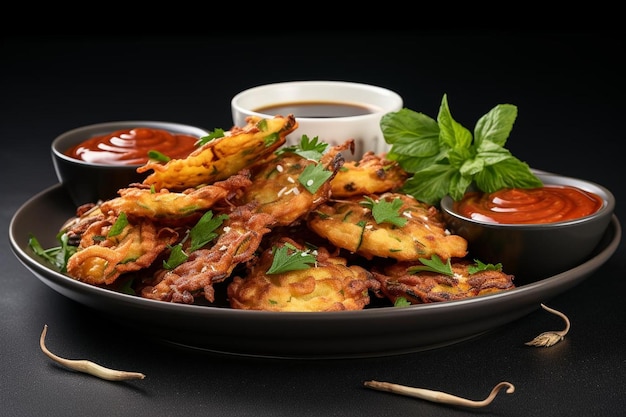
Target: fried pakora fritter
{"type": "Point", "coordinates": [102, 256]}
{"type": "Point", "coordinates": [351, 225]}
{"type": "Point", "coordinates": [373, 174]}
{"type": "Point", "coordinates": [164, 205]}
{"type": "Point", "coordinates": [222, 157]}
{"type": "Point", "coordinates": [277, 186]}
{"type": "Point", "coordinates": [329, 285]}
{"type": "Point", "coordinates": [397, 281]}
{"type": "Point", "coordinates": [238, 239]}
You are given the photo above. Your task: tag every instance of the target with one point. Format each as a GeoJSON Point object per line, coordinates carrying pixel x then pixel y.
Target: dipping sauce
{"type": "Point", "coordinates": [547, 204]}
{"type": "Point", "coordinates": [317, 109]}
{"type": "Point", "coordinates": [131, 146]}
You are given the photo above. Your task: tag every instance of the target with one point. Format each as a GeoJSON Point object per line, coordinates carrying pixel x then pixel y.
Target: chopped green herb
{"type": "Point", "coordinates": [289, 258]}
{"type": "Point", "coordinates": [434, 264]}
{"type": "Point", "coordinates": [313, 177]}
{"type": "Point", "coordinates": [445, 159]}
{"type": "Point", "coordinates": [480, 266]}
{"type": "Point", "coordinates": [215, 134]}
{"type": "Point", "coordinates": [307, 148]}
{"type": "Point", "coordinates": [401, 302]}
{"type": "Point", "coordinates": [204, 231]}
{"type": "Point", "coordinates": [57, 255]}
{"type": "Point", "coordinates": [119, 225]}
{"type": "Point", "coordinates": [177, 257]}
{"type": "Point", "coordinates": [157, 156]}
{"type": "Point", "coordinates": [385, 211]}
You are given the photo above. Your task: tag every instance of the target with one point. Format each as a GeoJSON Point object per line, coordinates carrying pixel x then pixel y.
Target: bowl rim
{"type": "Point", "coordinates": [608, 206]}
{"type": "Point", "coordinates": [390, 94]}
{"type": "Point", "coordinates": [91, 130]}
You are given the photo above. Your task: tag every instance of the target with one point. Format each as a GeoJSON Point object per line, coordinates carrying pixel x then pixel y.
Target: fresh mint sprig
{"type": "Point", "coordinates": [444, 158]}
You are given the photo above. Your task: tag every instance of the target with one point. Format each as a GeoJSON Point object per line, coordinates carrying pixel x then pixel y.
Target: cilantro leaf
{"type": "Point", "coordinates": [385, 211]}
{"type": "Point", "coordinates": [434, 264]}
{"type": "Point", "coordinates": [307, 148]}
{"type": "Point", "coordinates": [204, 231]}
{"type": "Point", "coordinates": [215, 134]}
{"type": "Point", "coordinates": [57, 255]}
{"type": "Point", "coordinates": [177, 257]}
{"type": "Point", "coordinates": [289, 258]}
{"type": "Point", "coordinates": [480, 266]}
{"type": "Point", "coordinates": [313, 177]}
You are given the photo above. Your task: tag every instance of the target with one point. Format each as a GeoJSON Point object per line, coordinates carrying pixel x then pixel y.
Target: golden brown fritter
{"type": "Point", "coordinates": [397, 281]}
{"type": "Point", "coordinates": [350, 225]}
{"type": "Point", "coordinates": [238, 239]}
{"type": "Point", "coordinates": [277, 188]}
{"type": "Point", "coordinates": [102, 258]}
{"type": "Point", "coordinates": [373, 174]}
{"type": "Point", "coordinates": [164, 205]}
{"type": "Point", "coordinates": [329, 285]}
{"type": "Point", "coordinates": [220, 158]}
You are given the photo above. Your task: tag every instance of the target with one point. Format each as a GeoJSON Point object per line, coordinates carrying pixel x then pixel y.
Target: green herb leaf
{"type": "Point", "coordinates": [385, 211]}
{"type": "Point", "coordinates": [313, 177]}
{"type": "Point", "coordinates": [307, 148]}
{"type": "Point", "coordinates": [401, 302]}
{"type": "Point", "coordinates": [120, 223]}
{"type": "Point", "coordinates": [434, 264]}
{"type": "Point", "coordinates": [157, 156]}
{"type": "Point", "coordinates": [480, 266]}
{"type": "Point", "coordinates": [177, 257]}
{"type": "Point", "coordinates": [58, 255]}
{"type": "Point", "coordinates": [443, 158]}
{"type": "Point", "coordinates": [215, 134]}
{"type": "Point", "coordinates": [289, 258]}
{"type": "Point", "coordinates": [204, 231]}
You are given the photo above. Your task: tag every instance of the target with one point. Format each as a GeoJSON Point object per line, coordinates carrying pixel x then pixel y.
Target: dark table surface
{"type": "Point", "coordinates": [569, 89]}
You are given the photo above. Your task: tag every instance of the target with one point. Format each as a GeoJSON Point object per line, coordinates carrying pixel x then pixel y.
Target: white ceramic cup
{"type": "Point", "coordinates": [331, 128]}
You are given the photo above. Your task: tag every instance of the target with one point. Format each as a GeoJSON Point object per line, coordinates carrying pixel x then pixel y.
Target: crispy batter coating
{"type": "Point", "coordinates": [165, 205]}
{"type": "Point", "coordinates": [220, 158]}
{"type": "Point", "coordinates": [329, 285]}
{"type": "Point", "coordinates": [101, 259]}
{"type": "Point", "coordinates": [350, 225]}
{"type": "Point", "coordinates": [238, 239]}
{"type": "Point", "coordinates": [427, 287]}
{"type": "Point", "coordinates": [277, 189]}
{"type": "Point", "coordinates": [373, 174]}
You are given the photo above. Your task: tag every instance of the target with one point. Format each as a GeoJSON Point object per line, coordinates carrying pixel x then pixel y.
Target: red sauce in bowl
{"type": "Point", "coordinates": [131, 146]}
{"type": "Point", "coordinates": [547, 204]}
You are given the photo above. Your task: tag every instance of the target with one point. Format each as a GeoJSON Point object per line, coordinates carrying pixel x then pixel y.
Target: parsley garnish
{"type": "Point", "coordinates": [307, 148]}
{"type": "Point", "coordinates": [57, 255]}
{"type": "Point", "coordinates": [215, 134]}
{"type": "Point", "coordinates": [480, 266]}
{"type": "Point", "coordinates": [204, 231]}
{"type": "Point", "coordinates": [434, 264]}
{"type": "Point", "coordinates": [289, 258]}
{"type": "Point", "coordinates": [201, 234]}
{"type": "Point", "coordinates": [313, 177]}
{"type": "Point", "coordinates": [385, 211]}
{"type": "Point", "coordinates": [445, 159]}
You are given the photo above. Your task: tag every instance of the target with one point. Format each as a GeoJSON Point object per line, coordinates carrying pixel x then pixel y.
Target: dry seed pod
{"type": "Point", "coordinates": [87, 366]}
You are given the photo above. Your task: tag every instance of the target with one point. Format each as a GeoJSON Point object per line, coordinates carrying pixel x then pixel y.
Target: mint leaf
{"type": "Point", "coordinates": [443, 158]}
